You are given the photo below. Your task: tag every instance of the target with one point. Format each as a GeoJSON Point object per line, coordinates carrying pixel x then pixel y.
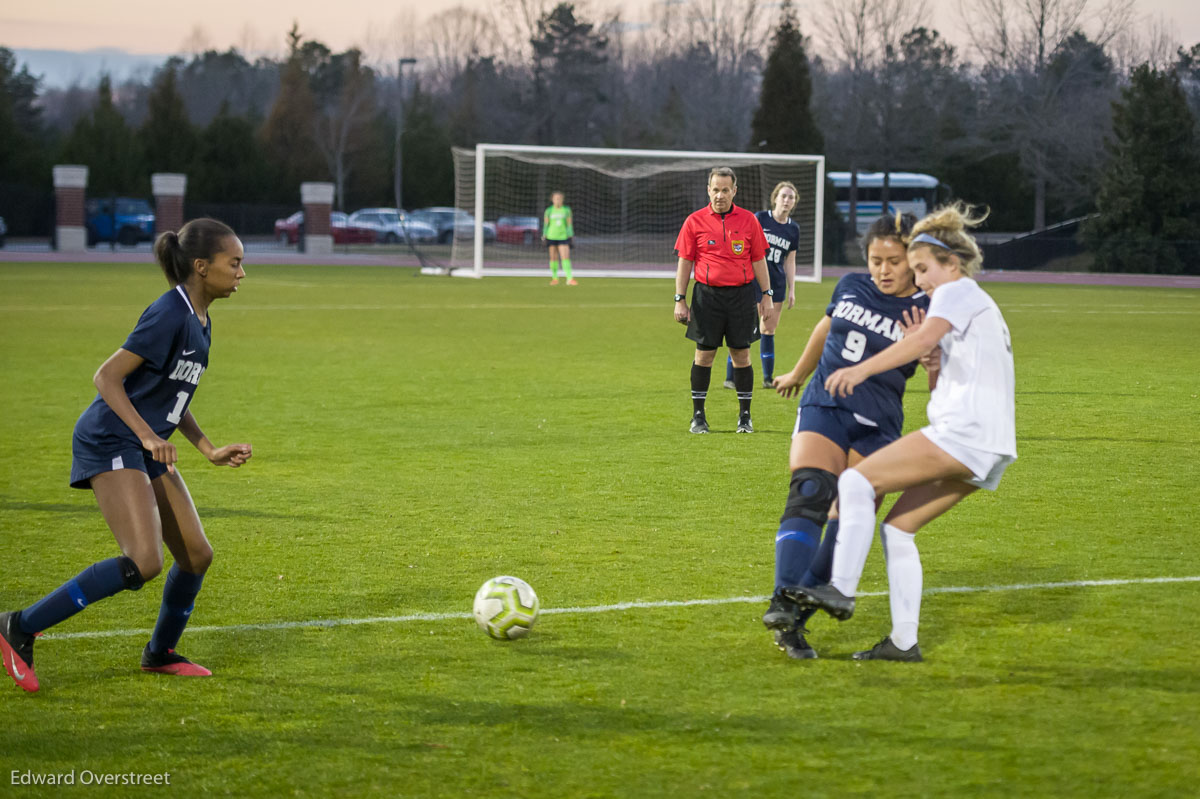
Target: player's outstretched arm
{"type": "Point", "coordinates": [789, 385]}
{"type": "Point", "coordinates": [932, 360]}
{"type": "Point", "coordinates": [229, 455]}
{"type": "Point", "coordinates": [842, 382]}
{"type": "Point", "coordinates": [110, 382]}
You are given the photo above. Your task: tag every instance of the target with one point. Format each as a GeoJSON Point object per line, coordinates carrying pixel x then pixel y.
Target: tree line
{"type": "Point", "coordinates": [1055, 113]}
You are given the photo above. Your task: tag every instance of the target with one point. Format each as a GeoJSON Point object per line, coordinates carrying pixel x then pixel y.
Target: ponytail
{"type": "Point", "coordinates": [200, 239]}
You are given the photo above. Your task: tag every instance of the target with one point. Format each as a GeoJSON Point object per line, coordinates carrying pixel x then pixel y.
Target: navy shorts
{"type": "Point", "coordinates": [87, 462]}
{"type": "Point", "coordinates": [846, 429]}
{"type": "Point", "coordinates": [555, 242]}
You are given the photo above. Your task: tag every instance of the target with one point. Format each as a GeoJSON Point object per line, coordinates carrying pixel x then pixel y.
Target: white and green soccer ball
{"type": "Point", "coordinates": [506, 607]}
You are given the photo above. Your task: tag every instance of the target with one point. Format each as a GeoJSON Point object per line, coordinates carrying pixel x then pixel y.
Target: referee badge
{"type": "Point", "coordinates": [739, 246]}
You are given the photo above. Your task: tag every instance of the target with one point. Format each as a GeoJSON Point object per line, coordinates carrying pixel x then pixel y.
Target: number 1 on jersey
{"type": "Point", "coordinates": [176, 416]}
{"type": "Point", "coordinates": [856, 345]}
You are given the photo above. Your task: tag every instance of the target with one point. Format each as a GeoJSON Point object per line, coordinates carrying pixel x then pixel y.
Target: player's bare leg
{"type": "Point", "coordinates": [183, 534]}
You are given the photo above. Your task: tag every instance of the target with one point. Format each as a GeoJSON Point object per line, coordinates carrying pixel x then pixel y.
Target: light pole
{"type": "Point", "coordinates": [399, 175]}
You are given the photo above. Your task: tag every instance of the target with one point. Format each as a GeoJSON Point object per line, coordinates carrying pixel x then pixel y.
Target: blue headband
{"type": "Point", "coordinates": [927, 239]}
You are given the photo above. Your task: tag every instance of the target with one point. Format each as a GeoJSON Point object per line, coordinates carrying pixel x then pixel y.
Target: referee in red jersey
{"type": "Point", "coordinates": [727, 249]}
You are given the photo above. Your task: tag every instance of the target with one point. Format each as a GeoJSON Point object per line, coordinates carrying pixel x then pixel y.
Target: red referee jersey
{"type": "Point", "coordinates": [722, 249]}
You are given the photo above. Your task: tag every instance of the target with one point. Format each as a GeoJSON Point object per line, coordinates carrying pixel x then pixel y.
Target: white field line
{"type": "Point", "coordinates": [683, 603]}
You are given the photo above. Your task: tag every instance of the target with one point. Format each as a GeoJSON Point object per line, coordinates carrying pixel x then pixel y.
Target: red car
{"type": "Point", "coordinates": [287, 231]}
{"type": "Point", "coordinates": [518, 229]}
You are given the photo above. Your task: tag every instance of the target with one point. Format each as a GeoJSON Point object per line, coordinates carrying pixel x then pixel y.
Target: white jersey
{"type": "Point", "coordinates": [973, 402]}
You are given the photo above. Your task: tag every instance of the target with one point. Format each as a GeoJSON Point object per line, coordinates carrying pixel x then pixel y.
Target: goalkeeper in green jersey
{"type": "Point", "coordinates": [558, 231]}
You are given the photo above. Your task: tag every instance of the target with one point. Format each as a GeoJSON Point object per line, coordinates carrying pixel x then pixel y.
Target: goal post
{"type": "Point", "coordinates": [627, 205]}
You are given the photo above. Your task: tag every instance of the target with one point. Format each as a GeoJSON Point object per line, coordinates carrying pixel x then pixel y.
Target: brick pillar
{"type": "Point", "coordinates": [318, 200]}
{"type": "Point", "coordinates": [168, 188]}
{"type": "Point", "coordinates": [70, 232]}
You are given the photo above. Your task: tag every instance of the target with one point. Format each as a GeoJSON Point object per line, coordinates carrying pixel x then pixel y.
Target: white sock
{"type": "Point", "coordinates": [904, 584]}
{"type": "Point", "coordinates": [856, 508]}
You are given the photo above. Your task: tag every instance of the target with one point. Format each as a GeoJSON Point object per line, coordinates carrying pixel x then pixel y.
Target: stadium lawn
{"type": "Point", "coordinates": [415, 436]}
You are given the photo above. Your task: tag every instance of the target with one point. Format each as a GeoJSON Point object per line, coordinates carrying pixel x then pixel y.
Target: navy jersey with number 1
{"type": "Point", "coordinates": [865, 321]}
{"type": "Point", "coordinates": [174, 346]}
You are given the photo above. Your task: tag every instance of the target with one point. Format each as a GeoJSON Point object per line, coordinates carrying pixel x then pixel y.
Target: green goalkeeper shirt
{"type": "Point", "coordinates": [557, 223]}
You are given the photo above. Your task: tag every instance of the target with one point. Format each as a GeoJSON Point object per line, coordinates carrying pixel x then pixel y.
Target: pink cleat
{"type": "Point", "coordinates": [171, 662]}
{"type": "Point", "coordinates": [572, 282]}
{"type": "Point", "coordinates": [553, 281]}
{"type": "Point", "coordinates": [16, 647]}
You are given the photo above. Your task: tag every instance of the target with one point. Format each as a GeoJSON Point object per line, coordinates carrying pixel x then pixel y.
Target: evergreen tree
{"type": "Point", "coordinates": [167, 136]}
{"type": "Point", "coordinates": [425, 148]}
{"type": "Point", "coordinates": [287, 133]}
{"type": "Point", "coordinates": [784, 122]}
{"type": "Point", "coordinates": [229, 163]}
{"type": "Point", "coordinates": [569, 59]}
{"type": "Point", "coordinates": [105, 144]}
{"type": "Point", "coordinates": [1149, 214]}
{"type": "Point", "coordinates": [23, 156]}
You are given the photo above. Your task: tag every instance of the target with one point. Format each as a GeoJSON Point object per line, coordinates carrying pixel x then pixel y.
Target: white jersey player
{"type": "Point", "coordinates": [970, 440]}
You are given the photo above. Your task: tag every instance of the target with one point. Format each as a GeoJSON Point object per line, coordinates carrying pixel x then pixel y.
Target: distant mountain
{"type": "Point", "coordinates": [60, 68]}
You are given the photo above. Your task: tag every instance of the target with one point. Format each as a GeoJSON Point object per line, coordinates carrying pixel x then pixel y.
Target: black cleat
{"type": "Point", "coordinates": [886, 650]}
{"type": "Point", "coordinates": [782, 614]}
{"type": "Point", "coordinates": [825, 597]}
{"type": "Point", "coordinates": [16, 646]}
{"type": "Point", "coordinates": [744, 424]}
{"type": "Point", "coordinates": [792, 642]}
{"type": "Point", "coordinates": [699, 423]}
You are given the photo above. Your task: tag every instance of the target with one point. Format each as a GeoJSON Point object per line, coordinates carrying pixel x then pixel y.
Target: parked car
{"type": "Point", "coordinates": [453, 223]}
{"type": "Point", "coordinates": [125, 220]}
{"type": "Point", "coordinates": [287, 231]}
{"type": "Point", "coordinates": [518, 229]}
{"type": "Point", "coordinates": [3, 231]}
{"type": "Point", "coordinates": [392, 226]}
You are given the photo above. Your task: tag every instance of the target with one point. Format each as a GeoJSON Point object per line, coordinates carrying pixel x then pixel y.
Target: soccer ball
{"type": "Point", "coordinates": [506, 607]}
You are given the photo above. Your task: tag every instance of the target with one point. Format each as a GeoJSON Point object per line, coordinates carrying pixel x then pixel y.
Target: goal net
{"type": "Point", "coordinates": [627, 205]}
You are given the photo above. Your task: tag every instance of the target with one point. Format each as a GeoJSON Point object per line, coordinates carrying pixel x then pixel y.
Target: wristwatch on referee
{"type": "Point", "coordinates": [678, 298]}
{"type": "Point", "coordinates": [770, 293]}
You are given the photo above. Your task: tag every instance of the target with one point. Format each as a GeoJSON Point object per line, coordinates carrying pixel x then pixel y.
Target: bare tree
{"type": "Point", "coordinates": [1019, 42]}
{"type": "Point", "coordinates": [452, 38]}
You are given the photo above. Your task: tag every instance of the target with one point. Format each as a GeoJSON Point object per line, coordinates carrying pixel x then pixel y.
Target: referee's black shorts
{"type": "Point", "coordinates": [726, 314]}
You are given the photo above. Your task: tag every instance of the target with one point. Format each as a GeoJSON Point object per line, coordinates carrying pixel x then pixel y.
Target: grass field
{"type": "Point", "coordinates": [414, 436]}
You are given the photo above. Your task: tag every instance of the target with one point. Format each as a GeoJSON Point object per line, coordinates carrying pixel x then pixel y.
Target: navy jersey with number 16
{"type": "Point", "coordinates": [174, 346]}
{"type": "Point", "coordinates": [865, 321]}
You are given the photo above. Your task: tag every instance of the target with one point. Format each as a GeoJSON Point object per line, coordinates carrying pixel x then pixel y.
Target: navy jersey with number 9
{"type": "Point", "coordinates": [865, 321]}
{"type": "Point", "coordinates": [174, 346]}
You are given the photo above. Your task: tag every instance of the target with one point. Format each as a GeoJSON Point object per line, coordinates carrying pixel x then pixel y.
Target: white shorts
{"type": "Point", "coordinates": [987, 467]}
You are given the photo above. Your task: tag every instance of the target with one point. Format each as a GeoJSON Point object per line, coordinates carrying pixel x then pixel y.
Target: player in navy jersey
{"type": "Point", "coordinates": [866, 315]}
{"type": "Point", "coordinates": [970, 440]}
{"type": "Point", "coordinates": [783, 238]}
{"type": "Point", "coordinates": [122, 453]}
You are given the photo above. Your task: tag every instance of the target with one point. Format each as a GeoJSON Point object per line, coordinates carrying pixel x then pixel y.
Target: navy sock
{"type": "Point", "coordinates": [821, 569]}
{"type": "Point", "coordinates": [795, 545]}
{"type": "Point", "coordinates": [98, 581]}
{"type": "Point", "coordinates": [766, 352]}
{"type": "Point", "coordinates": [179, 596]}
{"type": "Point", "coordinates": [701, 376]}
{"type": "Point", "coordinates": [729, 370]}
{"type": "Point", "coordinates": [743, 381]}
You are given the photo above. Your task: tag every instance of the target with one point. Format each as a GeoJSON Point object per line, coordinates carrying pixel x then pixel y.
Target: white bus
{"type": "Point", "coordinates": [909, 192]}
